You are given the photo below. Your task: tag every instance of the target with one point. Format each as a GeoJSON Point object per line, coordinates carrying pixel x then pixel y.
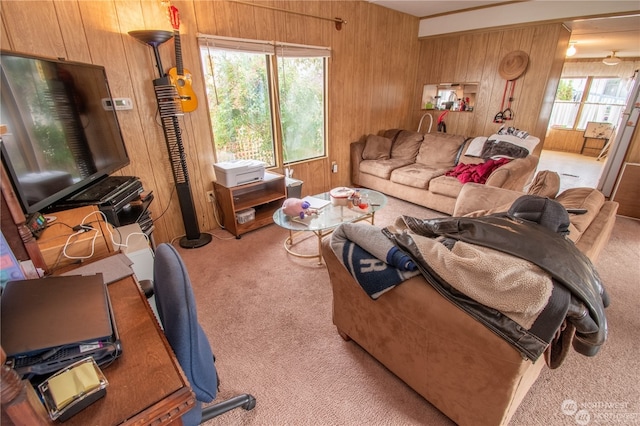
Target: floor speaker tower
{"type": "Point", "coordinates": [169, 110]}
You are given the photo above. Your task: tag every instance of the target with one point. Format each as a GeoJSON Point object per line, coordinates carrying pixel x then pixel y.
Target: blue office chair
{"type": "Point", "coordinates": [179, 318]}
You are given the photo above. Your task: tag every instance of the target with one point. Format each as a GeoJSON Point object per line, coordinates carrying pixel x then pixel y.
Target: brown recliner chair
{"type": "Point", "coordinates": [466, 371]}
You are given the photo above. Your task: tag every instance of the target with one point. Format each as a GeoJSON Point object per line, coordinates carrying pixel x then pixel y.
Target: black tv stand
{"type": "Point", "coordinates": [120, 198]}
{"type": "Point", "coordinates": [105, 190]}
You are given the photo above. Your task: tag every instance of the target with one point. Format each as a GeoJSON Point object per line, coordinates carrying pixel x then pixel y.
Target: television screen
{"type": "Point", "coordinates": [60, 137]}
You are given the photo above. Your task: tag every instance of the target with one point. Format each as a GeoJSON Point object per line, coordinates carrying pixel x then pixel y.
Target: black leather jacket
{"type": "Point", "coordinates": [578, 296]}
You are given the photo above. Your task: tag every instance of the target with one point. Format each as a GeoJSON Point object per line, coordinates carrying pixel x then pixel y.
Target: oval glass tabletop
{"type": "Point", "coordinates": [330, 216]}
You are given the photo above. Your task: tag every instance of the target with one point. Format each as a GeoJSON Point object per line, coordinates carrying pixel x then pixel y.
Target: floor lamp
{"type": "Point", "coordinates": [169, 110]}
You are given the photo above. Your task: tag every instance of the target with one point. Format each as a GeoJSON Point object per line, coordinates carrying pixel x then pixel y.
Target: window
{"type": "Point", "coordinates": [267, 101]}
{"type": "Point", "coordinates": [240, 107]}
{"type": "Point", "coordinates": [302, 106]}
{"type": "Point", "coordinates": [588, 99]}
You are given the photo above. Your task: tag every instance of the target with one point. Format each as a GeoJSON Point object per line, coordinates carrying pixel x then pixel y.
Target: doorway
{"type": "Point", "coordinates": [575, 170]}
{"type": "Point", "coordinates": [599, 98]}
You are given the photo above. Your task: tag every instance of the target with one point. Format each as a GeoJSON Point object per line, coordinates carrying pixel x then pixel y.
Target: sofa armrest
{"type": "Point", "coordinates": [425, 340]}
{"type": "Point", "coordinates": [480, 200]}
{"type": "Point", "coordinates": [483, 199]}
{"type": "Point", "coordinates": [593, 241]}
{"type": "Point", "coordinates": [514, 175]}
{"type": "Point", "coordinates": [356, 149]}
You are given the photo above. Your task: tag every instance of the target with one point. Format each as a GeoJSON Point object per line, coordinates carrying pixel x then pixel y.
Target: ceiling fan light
{"type": "Point", "coordinates": [571, 50]}
{"type": "Point", "coordinates": [611, 59]}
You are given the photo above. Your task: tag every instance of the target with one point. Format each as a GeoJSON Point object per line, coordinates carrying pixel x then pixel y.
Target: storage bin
{"type": "Point", "coordinates": [246, 215]}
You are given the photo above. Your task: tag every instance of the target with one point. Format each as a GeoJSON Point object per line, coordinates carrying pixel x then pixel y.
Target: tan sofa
{"type": "Point", "coordinates": [589, 231]}
{"type": "Point", "coordinates": [412, 166]}
{"type": "Point", "coordinates": [456, 363]}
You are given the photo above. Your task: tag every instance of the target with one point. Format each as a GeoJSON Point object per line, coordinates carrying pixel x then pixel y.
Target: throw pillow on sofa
{"type": "Point", "coordinates": [377, 148]}
{"type": "Point", "coordinates": [545, 184]}
{"type": "Point", "coordinates": [405, 144]}
{"type": "Point", "coordinates": [440, 151]}
{"type": "Point", "coordinates": [589, 199]}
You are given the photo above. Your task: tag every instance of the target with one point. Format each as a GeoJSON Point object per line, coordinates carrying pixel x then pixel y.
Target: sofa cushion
{"type": "Point", "coordinates": [416, 175]}
{"type": "Point", "coordinates": [440, 151]}
{"type": "Point", "coordinates": [405, 144]}
{"type": "Point", "coordinates": [382, 168]}
{"type": "Point", "coordinates": [446, 185]}
{"type": "Point", "coordinates": [545, 184]}
{"type": "Point", "coordinates": [377, 148]}
{"type": "Point", "coordinates": [515, 175]}
{"type": "Point", "coordinates": [391, 133]}
{"type": "Point", "coordinates": [581, 198]}
{"type": "Point", "coordinates": [480, 200]}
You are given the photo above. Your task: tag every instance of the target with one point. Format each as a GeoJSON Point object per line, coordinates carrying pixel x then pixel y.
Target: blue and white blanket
{"type": "Point", "coordinates": [373, 260]}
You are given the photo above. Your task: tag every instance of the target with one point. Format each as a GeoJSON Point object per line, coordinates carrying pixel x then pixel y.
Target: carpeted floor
{"type": "Point", "coordinates": [268, 317]}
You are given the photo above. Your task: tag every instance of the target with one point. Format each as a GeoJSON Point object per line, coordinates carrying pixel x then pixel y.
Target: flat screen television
{"type": "Point", "coordinates": [61, 135]}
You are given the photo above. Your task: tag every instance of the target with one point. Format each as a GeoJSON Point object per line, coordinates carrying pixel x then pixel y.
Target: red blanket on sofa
{"type": "Point", "coordinates": [477, 173]}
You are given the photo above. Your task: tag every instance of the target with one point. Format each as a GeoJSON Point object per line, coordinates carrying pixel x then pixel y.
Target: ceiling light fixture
{"type": "Point", "coordinates": [611, 59]}
{"type": "Point", "coordinates": [572, 49]}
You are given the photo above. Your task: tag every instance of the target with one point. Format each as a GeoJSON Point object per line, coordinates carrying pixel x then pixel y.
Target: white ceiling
{"type": "Point", "coordinates": [594, 35]}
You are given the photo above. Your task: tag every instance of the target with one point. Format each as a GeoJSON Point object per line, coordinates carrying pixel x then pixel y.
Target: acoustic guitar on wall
{"type": "Point", "coordinates": [181, 77]}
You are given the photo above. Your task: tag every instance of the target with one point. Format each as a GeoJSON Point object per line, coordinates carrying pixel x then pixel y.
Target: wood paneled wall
{"type": "Point", "coordinates": [371, 76]}
{"type": "Point", "coordinates": [564, 140]}
{"type": "Point", "coordinates": [475, 57]}
{"type": "Point", "coordinates": [633, 154]}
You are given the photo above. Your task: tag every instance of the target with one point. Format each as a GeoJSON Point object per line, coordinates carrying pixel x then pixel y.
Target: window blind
{"type": "Point", "coordinates": [236, 44]}
{"type": "Point", "coordinates": [300, 51]}
{"type": "Point", "coordinates": [267, 47]}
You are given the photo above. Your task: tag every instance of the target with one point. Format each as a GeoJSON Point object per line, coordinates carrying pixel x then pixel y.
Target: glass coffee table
{"type": "Point", "coordinates": [327, 219]}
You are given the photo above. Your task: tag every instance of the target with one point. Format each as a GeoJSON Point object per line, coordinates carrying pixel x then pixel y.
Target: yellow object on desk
{"type": "Point", "coordinates": [72, 389]}
{"type": "Point", "coordinates": [72, 383]}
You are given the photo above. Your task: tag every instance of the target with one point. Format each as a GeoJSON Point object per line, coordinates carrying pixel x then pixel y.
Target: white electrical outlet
{"type": "Point", "coordinates": [210, 196]}
{"type": "Point", "coordinates": [334, 167]}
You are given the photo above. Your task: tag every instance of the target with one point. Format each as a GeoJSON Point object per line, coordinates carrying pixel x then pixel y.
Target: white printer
{"type": "Point", "coordinates": [238, 172]}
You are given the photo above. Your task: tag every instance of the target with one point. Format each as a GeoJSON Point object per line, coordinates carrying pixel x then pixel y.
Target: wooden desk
{"type": "Point", "coordinates": [146, 383]}
{"type": "Point", "coordinates": [52, 241]}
